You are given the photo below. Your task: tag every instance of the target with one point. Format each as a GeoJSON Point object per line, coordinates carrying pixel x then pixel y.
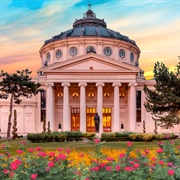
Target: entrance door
{"type": "Point", "coordinates": [106, 119]}
{"type": "Point", "coordinates": [75, 119]}
{"type": "Point", "coordinates": [90, 113]}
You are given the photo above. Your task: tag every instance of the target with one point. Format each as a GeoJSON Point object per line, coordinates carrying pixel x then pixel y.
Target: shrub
{"type": "Point", "coordinates": [89, 135]}
{"type": "Point", "coordinates": [108, 135]}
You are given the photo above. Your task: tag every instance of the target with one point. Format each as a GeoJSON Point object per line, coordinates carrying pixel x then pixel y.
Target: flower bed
{"type": "Point", "coordinates": [34, 163]}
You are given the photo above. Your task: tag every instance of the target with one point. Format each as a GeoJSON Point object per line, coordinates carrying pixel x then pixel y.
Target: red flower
{"type": "Point", "coordinates": [161, 162]}
{"type": "Point", "coordinates": [59, 149]}
{"type": "Point", "coordinates": [50, 164]}
{"type": "Point", "coordinates": [110, 159]}
{"type": "Point", "coordinates": [11, 175]}
{"type": "Point", "coordinates": [30, 150]}
{"type": "Point", "coordinates": [33, 176]}
{"type": "Point", "coordinates": [129, 144]}
{"type": "Point", "coordinates": [5, 171]}
{"type": "Point", "coordinates": [51, 154]}
{"type": "Point", "coordinates": [23, 142]}
{"type": "Point", "coordinates": [121, 155]}
{"type": "Point", "coordinates": [160, 150]}
{"type": "Point", "coordinates": [128, 168]}
{"type": "Point", "coordinates": [38, 148]}
{"type": "Point", "coordinates": [108, 168]}
{"type": "Point", "coordinates": [68, 151]}
{"type": "Point", "coordinates": [18, 162]}
{"type": "Point", "coordinates": [19, 151]}
{"type": "Point", "coordinates": [170, 172]}
{"type": "Point", "coordinates": [96, 141]}
{"type": "Point", "coordinates": [96, 168]}
{"type": "Point", "coordinates": [42, 154]}
{"type": "Point", "coordinates": [136, 165]}
{"type": "Point", "coordinates": [118, 168]}
{"type": "Point", "coordinates": [13, 166]}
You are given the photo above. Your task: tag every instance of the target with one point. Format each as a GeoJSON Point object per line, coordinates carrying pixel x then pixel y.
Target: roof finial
{"type": "Point", "coordinates": [89, 6]}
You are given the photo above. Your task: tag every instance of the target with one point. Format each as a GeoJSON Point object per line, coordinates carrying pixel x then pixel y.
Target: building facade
{"type": "Point", "coordinates": [85, 70]}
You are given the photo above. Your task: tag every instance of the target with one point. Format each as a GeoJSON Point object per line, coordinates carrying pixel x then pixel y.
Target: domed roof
{"type": "Point", "coordinates": [90, 26]}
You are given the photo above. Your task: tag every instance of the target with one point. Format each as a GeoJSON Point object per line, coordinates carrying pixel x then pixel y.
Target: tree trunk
{"type": "Point", "coordinates": [10, 115]}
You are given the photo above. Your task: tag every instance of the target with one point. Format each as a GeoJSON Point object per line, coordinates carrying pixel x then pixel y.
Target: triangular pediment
{"type": "Point", "coordinates": [90, 62]}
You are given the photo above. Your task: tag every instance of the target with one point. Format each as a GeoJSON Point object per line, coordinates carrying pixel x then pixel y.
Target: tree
{"type": "Point", "coordinates": [16, 85]}
{"type": "Point", "coordinates": [164, 101]}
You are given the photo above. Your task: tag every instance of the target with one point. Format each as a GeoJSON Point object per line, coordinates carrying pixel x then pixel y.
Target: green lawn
{"type": "Point", "coordinates": [82, 146]}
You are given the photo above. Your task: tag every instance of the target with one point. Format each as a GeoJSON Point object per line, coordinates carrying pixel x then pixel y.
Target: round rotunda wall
{"type": "Point", "coordinates": [90, 34]}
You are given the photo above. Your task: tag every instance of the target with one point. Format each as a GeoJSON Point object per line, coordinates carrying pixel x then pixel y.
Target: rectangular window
{"type": "Point", "coordinates": [43, 105]}
{"type": "Point", "coordinates": [138, 106]}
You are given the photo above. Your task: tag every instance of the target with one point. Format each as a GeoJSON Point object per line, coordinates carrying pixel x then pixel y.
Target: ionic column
{"type": "Point", "coordinates": [82, 106]}
{"type": "Point", "coordinates": [132, 106]}
{"type": "Point", "coordinates": [66, 116]}
{"type": "Point", "coordinates": [116, 122]}
{"type": "Point", "coordinates": [50, 106]}
{"type": "Point", "coordinates": [100, 103]}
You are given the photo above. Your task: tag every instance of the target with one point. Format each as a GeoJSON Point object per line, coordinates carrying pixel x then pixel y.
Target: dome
{"type": "Point", "coordinates": [90, 26]}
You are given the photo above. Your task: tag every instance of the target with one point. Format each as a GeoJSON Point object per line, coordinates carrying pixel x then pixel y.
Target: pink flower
{"type": "Point", "coordinates": [96, 168]}
{"type": "Point", "coordinates": [147, 151]}
{"type": "Point", "coordinates": [102, 165]}
{"type": "Point", "coordinates": [11, 175]}
{"type": "Point", "coordinates": [19, 151]}
{"type": "Point", "coordinates": [170, 164]}
{"type": "Point", "coordinates": [129, 144]}
{"type": "Point", "coordinates": [81, 155]}
{"type": "Point", "coordinates": [59, 149]}
{"type": "Point", "coordinates": [178, 147]}
{"type": "Point", "coordinates": [96, 141]}
{"type": "Point", "coordinates": [51, 154]}
{"type": "Point", "coordinates": [23, 142]}
{"type": "Point", "coordinates": [86, 179]}
{"type": "Point", "coordinates": [160, 150]}
{"type": "Point", "coordinates": [122, 155]}
{"type": "Point", "coordinates": [68, 151]}
{"type": "Point", "coordinates": [33, 176]}
{"type": "Point", "coordinates": [110, 159]}
{"type": "Point", "coordinates": [161, 162]}
{"type": "Point", "coordinates": [30, 150]}
{"type": "Point", "coordinates": [153, 159]}
{"type": "Point", "coordinates": [18, 162]}
{"type": "Point", "coordinates": [3, 146]}
{"type": "Point", "coordinates": [5, 171]}
{"type": "Point", "coordinates": [108, 168]}
{"type": "Point", "coordinates": [50, 164]}
{"type": "Point", "coordinates": [38, 148]}
{"type": "Point", "coordinates": [160, 143]}
{"type": "Point", "coordinates": [78, 173]}
{"type": "Point", "coordinates": [118, 168]}
{"type": "Point", "coordinates": [136, 165]}
{"type": "Point", "coordinates": [170, 172]}
{"type": "Point", "coordinates": [42, 154]}
{"type": "Point", "coordinates": [172, 142]}
{"type": "Point", "coordinates": [61, 156]}
{"type": "Point", "coordinates": [13, 166]}
{"type": "Point", "coordinates": [128, 168]}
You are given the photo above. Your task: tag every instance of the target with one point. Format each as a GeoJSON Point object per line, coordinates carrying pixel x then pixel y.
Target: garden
{"type": "Point", "coordinates": [95, 159]}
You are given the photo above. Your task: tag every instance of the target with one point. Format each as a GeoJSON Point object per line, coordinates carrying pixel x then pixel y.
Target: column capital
{"type": "Point", "coordinates": [65, 84]}
{"type": "Point", "coordinates": [132, 84]}
{"type": "Point", "coordinates": [49, 84]}
{"type": "Point", "coordinates": [116, 84]}
{"type": "Point", "coordinates": [99, 84]}
{"type": "Point", "coordinates": [82, 84]}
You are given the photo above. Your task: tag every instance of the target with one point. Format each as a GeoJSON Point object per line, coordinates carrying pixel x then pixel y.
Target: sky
{"type": "Point", "coordinates": [26, 24]}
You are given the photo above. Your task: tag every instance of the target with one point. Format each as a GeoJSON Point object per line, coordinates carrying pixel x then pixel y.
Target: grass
{"type": "Point", "coordinates": [81, 146]}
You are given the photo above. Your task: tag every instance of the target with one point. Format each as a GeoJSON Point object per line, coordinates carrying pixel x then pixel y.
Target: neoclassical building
{"type": "Point", "coordinates": [85, 70]}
